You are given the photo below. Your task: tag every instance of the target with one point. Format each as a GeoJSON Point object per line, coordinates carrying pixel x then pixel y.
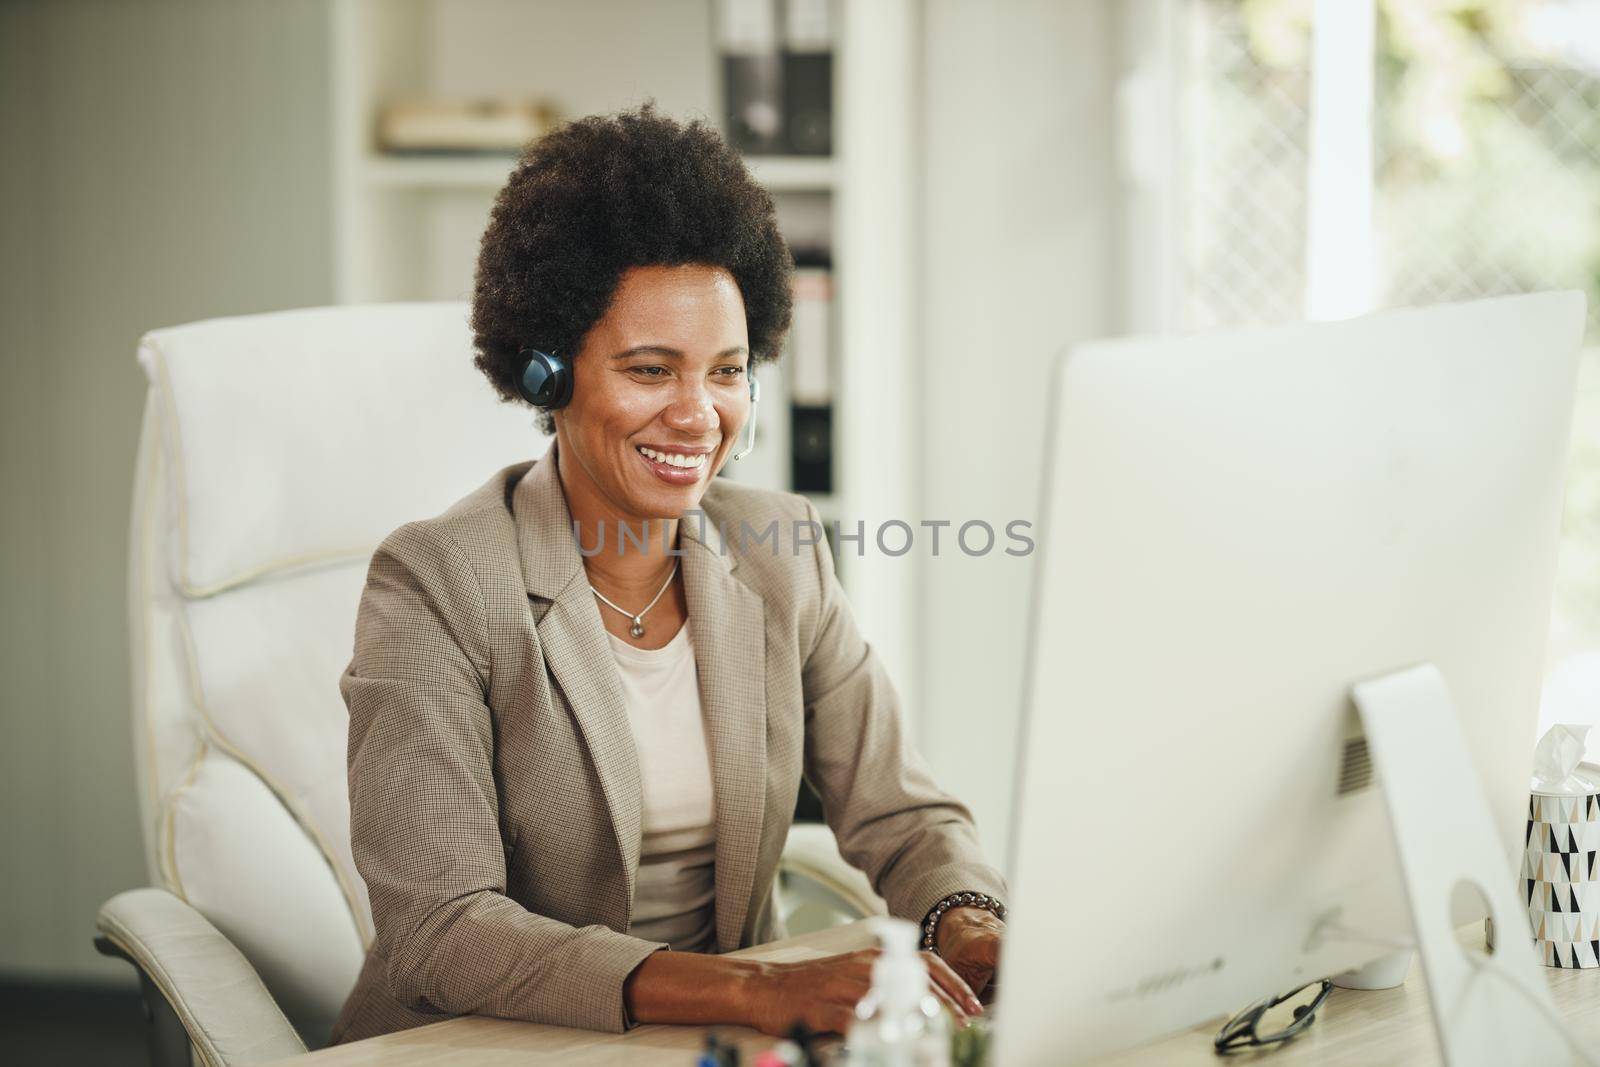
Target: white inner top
{"type": "Point", "coordinates": [674, 898]}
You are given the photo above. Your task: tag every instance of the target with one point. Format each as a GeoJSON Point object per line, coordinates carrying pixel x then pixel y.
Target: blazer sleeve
{"type": "Point", "coordinates": [916, 843]}
{"type": "Point", "coordinates": [424, 810]}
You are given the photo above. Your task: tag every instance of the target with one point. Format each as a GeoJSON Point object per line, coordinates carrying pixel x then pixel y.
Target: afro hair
{"type": "Point", "coordinates": [595, 197]}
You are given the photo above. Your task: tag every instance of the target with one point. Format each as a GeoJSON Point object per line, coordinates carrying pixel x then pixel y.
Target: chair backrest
{"type": "Point", "coordinates": [277, 450]}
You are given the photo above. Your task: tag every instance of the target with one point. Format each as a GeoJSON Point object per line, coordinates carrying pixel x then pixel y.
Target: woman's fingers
{"type": "Point", "coordinates": [945, 978]}
{"type": "Point", "coordinates": [961, 1014]}
{"type": "Point", "coordinates": [848, 978]}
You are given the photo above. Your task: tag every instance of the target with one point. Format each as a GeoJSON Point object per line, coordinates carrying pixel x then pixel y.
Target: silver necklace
{"type": "Point", "coordinates": [637, 629]}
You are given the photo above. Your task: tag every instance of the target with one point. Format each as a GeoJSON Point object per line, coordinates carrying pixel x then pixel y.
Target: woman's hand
{"type": "Point", "coordinates": [823, 993]}
{"type": "Point", "coordinates": [969, 941]}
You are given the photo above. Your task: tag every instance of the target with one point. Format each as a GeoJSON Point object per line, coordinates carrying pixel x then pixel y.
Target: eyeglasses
{"type": "Point", "coordinates": [1241, 1031]}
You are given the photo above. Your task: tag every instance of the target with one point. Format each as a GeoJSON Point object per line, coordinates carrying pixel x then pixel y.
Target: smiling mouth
{"type": "Point", "coordinates": [686, 461]}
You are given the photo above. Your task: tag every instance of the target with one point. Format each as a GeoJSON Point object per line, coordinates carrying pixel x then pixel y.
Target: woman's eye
{"type": "Point", "coordinates": [650, 372]}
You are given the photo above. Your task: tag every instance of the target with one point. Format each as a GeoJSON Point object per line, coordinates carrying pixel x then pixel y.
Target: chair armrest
{"type": "Point", "coordinates": [226, 1011]}
{"type": "Point", "coordinates": [811, 853]}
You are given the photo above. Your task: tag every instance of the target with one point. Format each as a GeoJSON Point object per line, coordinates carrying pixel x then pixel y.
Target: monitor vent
{"type": "Point", "coordinates": [1355, 769]}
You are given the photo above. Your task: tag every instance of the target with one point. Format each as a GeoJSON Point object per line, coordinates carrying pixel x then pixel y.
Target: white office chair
{"type": "Point", "coordinates": [277, 450]}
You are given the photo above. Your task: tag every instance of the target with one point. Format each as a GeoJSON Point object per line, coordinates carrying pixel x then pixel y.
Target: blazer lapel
{"type": "Point", "coordinates": [728, 621]}
{"type": "Point", "coordinates": [576, 651]}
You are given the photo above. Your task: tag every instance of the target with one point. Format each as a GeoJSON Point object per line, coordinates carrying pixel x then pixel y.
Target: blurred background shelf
{"type": "Point", "coordinates": [473, 173]}
{"type": "Point", "coordinates": [793, 173]}
{"type": "Point", "coordinates": [487, 173]}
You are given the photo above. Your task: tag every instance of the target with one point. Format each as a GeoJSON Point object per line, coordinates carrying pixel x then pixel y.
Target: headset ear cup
{"type": "Point", "coordinates": [546, 380]}
{"type": "Point", "coordinates": [560, 387]}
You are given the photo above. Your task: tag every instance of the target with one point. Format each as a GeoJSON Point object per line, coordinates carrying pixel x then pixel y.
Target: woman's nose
{"type": "Point", "coordinates": [692, 411]}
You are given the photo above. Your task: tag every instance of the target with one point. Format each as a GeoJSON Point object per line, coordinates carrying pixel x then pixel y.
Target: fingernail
{"type": "Point", "coordinates": [973, 1006]}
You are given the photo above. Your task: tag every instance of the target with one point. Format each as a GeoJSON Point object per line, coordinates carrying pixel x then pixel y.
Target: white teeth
{"type": "Point", "coordinates": [673, 459]}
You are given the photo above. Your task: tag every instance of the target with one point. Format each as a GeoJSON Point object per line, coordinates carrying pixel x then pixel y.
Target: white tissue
{"type": "Point", "coordinates": [1557, 756]}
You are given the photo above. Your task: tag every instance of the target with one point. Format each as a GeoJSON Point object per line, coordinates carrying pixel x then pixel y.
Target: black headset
{"type": "Point", "coordinates": [546, 379]}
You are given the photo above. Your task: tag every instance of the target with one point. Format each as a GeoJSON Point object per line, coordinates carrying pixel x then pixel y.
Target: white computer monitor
{"type": "Point", "coordinates": [1236, 528]}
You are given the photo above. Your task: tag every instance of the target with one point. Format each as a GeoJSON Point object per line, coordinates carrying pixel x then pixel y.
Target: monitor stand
{"type": "Point", "coordinates": [1422, 762]}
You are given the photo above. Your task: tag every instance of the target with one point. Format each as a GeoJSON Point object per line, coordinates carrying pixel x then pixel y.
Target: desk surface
{"type": "Point", "coordinates": [1367, 1027]}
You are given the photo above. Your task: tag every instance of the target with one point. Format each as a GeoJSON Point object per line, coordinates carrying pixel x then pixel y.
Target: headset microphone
{"type": "Point", "coordinates": [750, 429]}
{"type": "Point", "coordinates": [546, 379]}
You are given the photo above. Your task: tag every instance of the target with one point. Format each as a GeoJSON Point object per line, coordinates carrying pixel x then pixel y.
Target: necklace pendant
{"type": "Point", "coordinates": [637, 629]}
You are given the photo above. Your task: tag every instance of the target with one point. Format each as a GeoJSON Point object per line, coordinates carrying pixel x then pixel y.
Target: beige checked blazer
{"type": "Point", "coordinates": [494, 787]}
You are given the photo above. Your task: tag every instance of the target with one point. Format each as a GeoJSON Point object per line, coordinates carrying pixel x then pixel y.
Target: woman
{"type": "Point", "coordinates": [574, 746]}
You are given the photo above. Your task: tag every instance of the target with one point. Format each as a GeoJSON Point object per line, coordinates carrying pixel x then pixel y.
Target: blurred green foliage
{"type": "Point", "coordinates": [1487, 144]}
{"type": "Point", "coordinates": [1487, 181]}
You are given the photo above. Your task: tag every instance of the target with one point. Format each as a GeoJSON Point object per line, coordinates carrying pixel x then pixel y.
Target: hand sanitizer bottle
{"type": "Point", "coordinates": [899, 1023]}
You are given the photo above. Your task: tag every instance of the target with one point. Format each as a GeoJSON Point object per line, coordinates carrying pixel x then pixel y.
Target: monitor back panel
{"type": "Point", "coordinates": [1237, 528]}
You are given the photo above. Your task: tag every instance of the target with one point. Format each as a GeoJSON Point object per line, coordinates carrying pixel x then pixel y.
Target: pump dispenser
{"type": "Point", "coordinates": [899, 1023]}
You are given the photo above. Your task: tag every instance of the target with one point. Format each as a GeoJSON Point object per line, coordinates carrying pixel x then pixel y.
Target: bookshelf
{"type": "Point", "coordinates": [781, 174]}
{"type": "Point", "coordinates": [407, 226]}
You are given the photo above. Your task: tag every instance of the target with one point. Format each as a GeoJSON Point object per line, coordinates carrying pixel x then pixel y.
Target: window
{"type": "Point", "coordinates": [1482, 177]}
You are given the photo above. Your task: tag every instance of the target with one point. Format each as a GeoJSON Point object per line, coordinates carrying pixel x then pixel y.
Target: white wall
{"type": "Point", "coordinates": [1017, 251]}
{"type": "Point", "coordinates": [166, 160]}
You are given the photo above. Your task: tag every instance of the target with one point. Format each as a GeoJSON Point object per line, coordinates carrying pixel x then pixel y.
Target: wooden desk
{"type": "Point", "coordinates": [1355, 1027]}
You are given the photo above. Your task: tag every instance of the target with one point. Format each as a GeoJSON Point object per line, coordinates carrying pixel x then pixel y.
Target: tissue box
{"type": "Point", "coordinates": [1561, 877]}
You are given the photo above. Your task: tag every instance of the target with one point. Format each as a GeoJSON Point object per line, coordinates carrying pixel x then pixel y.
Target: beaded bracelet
{"type": "Point", "coordinates": [930, 923]}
